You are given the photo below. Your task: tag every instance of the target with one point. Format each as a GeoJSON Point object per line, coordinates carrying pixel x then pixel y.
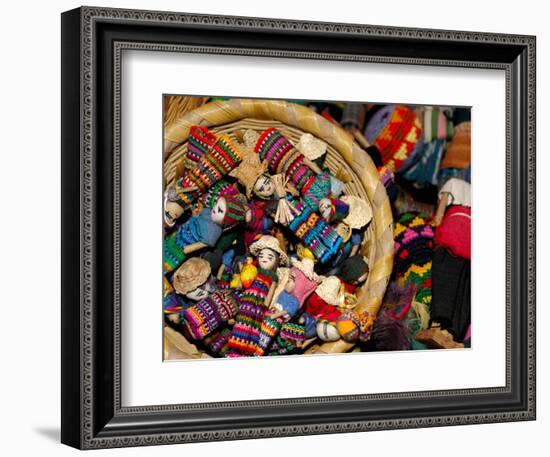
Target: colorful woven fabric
{"type": "Point", "coordinates": [217, 162]}
{"type": "Point", "coordinates": [290, 338]}
{"type": "Point", "coordinates": [259, 224]}
{"type": "Point", "coordinates": [314, 232]}
{"type": "Point", "coordinates": [236, 207]}
{"type": "Point", "coordinates": [397, 133]}
{"type": "Point", "coordinates": [217, 341]}
{"type": "Point", "coordinates": [211, 313]}
{"type": "Point", "coordinates": [282, 157]}
{"type": "Point", "coordinates": [319, 189]}
{"type": "Point", "coordinates": [268, 330]}
{"type": "Point", "coordinates": [245, 335]}
{"type": "Point", "coordinates": [414, 242]}
{"type": "Point", "coordinates": [198, 228]}
{"type": "Point", "coordinates": [200, 141]}
{"type": "Point", "coordinates": [220, 189]}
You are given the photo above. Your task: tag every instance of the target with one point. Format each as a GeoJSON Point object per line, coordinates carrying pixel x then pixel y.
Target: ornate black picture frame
{"type": "Point", "coordinates": [92, 42]}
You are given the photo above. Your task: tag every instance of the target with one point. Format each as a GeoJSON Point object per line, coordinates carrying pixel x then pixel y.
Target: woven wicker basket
{"type": "Point", "coordinates": [237, 115]}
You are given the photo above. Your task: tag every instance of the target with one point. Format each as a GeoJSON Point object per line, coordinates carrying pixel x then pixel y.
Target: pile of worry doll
{"type": "Point", "coordinates": [262, 246]}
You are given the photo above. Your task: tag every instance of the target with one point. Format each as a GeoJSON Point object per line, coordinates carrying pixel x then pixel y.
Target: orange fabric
{"type": "Point", "coordinates": [458, 152]}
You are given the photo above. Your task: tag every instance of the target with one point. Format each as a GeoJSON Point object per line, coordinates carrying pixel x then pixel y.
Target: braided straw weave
{"type": "Point", "coordinates": [235, 116]}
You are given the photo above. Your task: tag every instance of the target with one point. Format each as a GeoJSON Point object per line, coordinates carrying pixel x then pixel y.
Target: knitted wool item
{"type": "Point", "coordinates": [218, 161]}
{"type": "Point", "coordinates": [200, 140]}
{"type": "Point", "coordinates": [245, 334]}
{"type": "Point", "coordinates": [235, 210]}
{"type": "Point", "coordinates": [211, 313]}
{"type": "Point", "coordinates": [314, 232]}
{"type": "Point", "coordinates": [413, 237]}
{"type": "Point", "coordinates": [458, 152]}
{"type": "Point", "coordinates": [454, 232]}
{"type": "Point", "coordinates": [397, 133]}
{"type": "Point", "coordinates": [282, 157]}
{"type": "Point", "coordinates": [438, 130]}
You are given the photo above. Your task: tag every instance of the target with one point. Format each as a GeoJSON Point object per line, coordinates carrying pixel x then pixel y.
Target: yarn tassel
{"type": "Point", "coordinates": [422, 312]}
{"type": "Point", "coordinates": [389, 334]}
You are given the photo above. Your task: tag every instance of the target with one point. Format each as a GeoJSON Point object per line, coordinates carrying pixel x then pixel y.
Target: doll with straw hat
{"type": "Point", "coordinates": [255, 300]}
{"type": "Point", "coordinates": [203, 230]}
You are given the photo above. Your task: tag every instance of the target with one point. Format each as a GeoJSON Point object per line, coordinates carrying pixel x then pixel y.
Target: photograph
{"type": "Point", "coordinates": [298, 227]}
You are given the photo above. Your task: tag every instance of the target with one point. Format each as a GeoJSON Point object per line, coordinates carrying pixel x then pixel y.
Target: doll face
{"type": "Point", "coordinates": [200, 293]}
{"type": "Point", "coordinates": [361, 279]}
{"type": "Point", "coordinates": [172, 212]}
{"type": "Point", "coordinates": [218, 212]}
{"type": "Point", "coordinates": [324, 208]}
{"type": "Point", "coordinates": [268, 259]}
{"type": "Point", "coordinates": [263, 187]}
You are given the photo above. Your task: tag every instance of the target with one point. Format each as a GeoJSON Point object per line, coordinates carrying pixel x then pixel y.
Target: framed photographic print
{"type": "Point", "coordinates": [275, 228]}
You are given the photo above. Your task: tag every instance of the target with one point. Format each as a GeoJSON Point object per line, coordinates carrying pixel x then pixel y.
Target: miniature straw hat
{"type": "Point", "coordinates": [360, 211]}
{"type": "Point", "coordinates": [249, 170]}
{"type": "Point", "coordinates": [190, 275]}
{"type": "Point", "coordinates": [269, 242]}
{"type": "Point", "coordinates": [330, 290]}
{"type": "Point", "coordinates": [311, 147]}
{"type": "Point", "coordinates": [306, 267]}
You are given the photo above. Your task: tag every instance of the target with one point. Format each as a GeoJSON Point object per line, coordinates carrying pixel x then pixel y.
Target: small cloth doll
{"type": "Point", "coordinates": [255, 300]}
{"type": "Point", "coordinates": [353, 272]}
{"type": "Point", "coordinates": [191, 279]}
{"type": "Point", "coordinates": [323, 306]}
{"type": "Point", "coordinates": [291, 339]}
{"type": "Point", "coordinates": [453, 230]}
{"type": "Point", "coordinates": [314, 232]}
{"type": "Point", "coordinates": [304, 175]}
{"type": "Point", "coordinates": [203, 230]}
{"type": "Point", "coordinates": [191, 283]}
{"type": "Point", "coordinates": [216, 162]}
{"type": "Point", "coordinates": [211, 313]}
{"type": "Point", "coordinates": [300, 284]}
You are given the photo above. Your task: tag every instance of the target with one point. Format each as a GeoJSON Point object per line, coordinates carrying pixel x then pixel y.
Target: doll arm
{"type": "Point", "coordinates": [194, 247]}
{"type": "Point", "coordinates": [278, 314]}
{"type": "Point", "coordinates": [270, 294]}
{"type": "Point", "coordinates": [354, 250]}
{"type": "Point", "coordinates": [441, 208]}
